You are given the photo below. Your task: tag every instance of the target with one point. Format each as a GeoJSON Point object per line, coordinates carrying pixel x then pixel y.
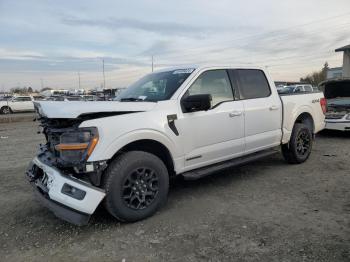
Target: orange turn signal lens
{"type": "Point", "coordinates": [73, 146]}
{"type": "Point", "coordinates": [92, 145]}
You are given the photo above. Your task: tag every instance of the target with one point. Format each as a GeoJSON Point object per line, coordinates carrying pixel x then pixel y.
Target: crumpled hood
{"type": "Point", "coordinates": [74, 109]}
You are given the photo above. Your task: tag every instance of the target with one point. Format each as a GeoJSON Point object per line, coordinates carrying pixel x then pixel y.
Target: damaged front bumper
{"type": "Point", "coordinates": [69, 198]}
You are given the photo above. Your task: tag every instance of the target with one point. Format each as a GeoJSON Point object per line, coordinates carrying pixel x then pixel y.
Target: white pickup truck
{"type": "Point", "coordinates": [17, 104]}
{"type": "Point", "coordinates": [181, 121]}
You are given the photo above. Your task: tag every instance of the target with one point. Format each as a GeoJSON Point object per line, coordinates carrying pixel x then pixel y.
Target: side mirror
{"type": "Point", "coordinates": [195, 103]}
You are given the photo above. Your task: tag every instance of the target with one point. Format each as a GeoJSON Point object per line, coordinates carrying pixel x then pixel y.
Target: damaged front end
{"type": "Point", "coordinates": [68, 148]}
{"type": "Point", "coordinates": [338, 114]}
{"type": "Point", "coordinates": [338, 110]}
{"type": "Point", "coordinates": [337, 93]}
{"type": "Point", "coordinates": [63, 179]}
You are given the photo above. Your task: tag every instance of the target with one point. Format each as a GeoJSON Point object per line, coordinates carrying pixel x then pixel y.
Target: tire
{"type": "Point", "coordinates": [5, 110]}
{"type": "Point", "coordinates": [127, 200]}
{"type": "Point", "coordinates": [300, 144]}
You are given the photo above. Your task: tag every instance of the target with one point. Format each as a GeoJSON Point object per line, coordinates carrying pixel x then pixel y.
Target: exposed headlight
{"type": "Point", "coordinates": [76, 146]}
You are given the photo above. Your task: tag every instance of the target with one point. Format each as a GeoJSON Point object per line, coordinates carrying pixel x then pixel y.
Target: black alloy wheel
{"type": "Point", "coordinates": [303, 143]}
{"type": "Point", "coordinates": [299, 147]}
{"type": "Point", "coordinates": [140, 188]}
{"type": "Point", "coordinates": [136, 185]}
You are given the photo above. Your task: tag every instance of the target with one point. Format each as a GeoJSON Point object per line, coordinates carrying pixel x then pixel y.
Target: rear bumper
{"type": "Point", "coordinates": [68, 198]}
{"type": "Point", "coordinates": [338, 125]}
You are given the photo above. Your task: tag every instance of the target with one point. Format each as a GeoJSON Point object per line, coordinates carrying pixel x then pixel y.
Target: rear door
{"type": "Point", "coordinates": [263, 110]}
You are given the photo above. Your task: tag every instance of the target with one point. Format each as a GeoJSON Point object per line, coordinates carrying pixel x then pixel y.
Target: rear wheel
{"type": "Point", "coordinates": [136, 185]}
{"type": "Point", "coordinates": [5, 110]}
{"type": "Point", "coordinates": [300, 144]}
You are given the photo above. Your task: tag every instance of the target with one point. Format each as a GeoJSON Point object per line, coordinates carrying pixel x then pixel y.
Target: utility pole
{"type": "Point", "coordinates": [79, 79]}
{"type": "Point", "coordinates": [152, 63]}
{"type": "Point", "coordinates": [103, 70]}
{"type": "Point", "coordinates": [42, 83]}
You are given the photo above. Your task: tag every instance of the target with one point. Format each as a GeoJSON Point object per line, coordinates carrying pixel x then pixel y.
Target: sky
{"type": "Point", "coordinates": [50, 43]}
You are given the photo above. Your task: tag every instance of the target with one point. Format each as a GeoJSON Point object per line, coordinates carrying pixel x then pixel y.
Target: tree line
{"type": "Point", "coordinates": [316, 77]}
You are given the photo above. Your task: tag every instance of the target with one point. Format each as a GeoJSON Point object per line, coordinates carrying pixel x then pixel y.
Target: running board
{"type": "Point", "coordinates": [205, 171]}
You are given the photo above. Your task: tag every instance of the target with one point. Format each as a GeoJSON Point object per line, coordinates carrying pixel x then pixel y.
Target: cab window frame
{"type": "Point", "coordinates": [240, 84]}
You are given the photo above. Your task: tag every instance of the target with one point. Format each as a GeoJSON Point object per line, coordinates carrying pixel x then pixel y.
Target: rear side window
{"type": "Point", "coordinates": [253, 84]}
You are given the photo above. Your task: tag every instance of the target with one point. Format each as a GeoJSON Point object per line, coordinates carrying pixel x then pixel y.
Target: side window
{"type": "Point", "coordinates": [213, 82]}
{"type": "Point", "coordinates": [308, 89]}
{"type": "Point", "coordinates": [253, 84]}
{"type": "Point", "coordinates": [298, 89]}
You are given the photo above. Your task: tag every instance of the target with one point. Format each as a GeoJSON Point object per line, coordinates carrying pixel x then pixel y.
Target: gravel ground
{"type": "Point", "coordinates": [265, 211]}
{"type": "Point", "coordinates": [16, 117]}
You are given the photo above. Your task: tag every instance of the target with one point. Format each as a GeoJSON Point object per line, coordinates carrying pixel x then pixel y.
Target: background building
{"type": "Point", "coordinates": [344, 71]}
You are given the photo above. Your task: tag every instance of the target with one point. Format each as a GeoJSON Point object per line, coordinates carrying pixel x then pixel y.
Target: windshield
{"type": "Point", "coordinates": [156, 86]}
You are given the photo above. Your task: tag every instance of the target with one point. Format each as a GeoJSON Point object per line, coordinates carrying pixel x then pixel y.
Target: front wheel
{"type": "Point", "coordinates": [300, 144]}
{"type": "Point", "coordinates": [5, 110]}
{"type": "Point", "coordinates": [136, 185]}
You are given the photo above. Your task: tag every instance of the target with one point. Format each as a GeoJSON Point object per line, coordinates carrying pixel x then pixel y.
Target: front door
{"type": "Point", "coordinates": [216, 134]}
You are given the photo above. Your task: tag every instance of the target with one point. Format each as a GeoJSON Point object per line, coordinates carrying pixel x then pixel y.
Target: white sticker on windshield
{"type": "Point", "coordinates": [142, 97]}
{"type": "Point", "coordinates": [183, 71]}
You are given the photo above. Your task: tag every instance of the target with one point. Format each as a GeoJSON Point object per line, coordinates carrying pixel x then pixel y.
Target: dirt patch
{"type": "Point", "coordinates": [265, 211]}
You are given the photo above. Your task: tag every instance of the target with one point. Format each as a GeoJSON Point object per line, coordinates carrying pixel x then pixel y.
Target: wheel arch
{"type": "Point", "coordinates": [304, 116]}
{"type": "Point", "coordinates": [151, 146]}
{"type": "Point", "coordinates": [307, 119]}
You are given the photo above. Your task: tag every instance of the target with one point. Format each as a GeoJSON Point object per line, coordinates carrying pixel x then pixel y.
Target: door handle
{"type": "Point", "coordinates": [235, 113]}
{"type": "Point", "coordinates": [274, 107]}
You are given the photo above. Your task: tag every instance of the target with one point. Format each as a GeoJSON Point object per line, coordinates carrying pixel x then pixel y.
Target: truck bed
{"type": "Point", "coordinates": [296, 104]}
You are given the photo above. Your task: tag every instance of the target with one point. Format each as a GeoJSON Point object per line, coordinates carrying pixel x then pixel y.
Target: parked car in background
{"type": "Point", "coordinates": [5, 98]}
{"type": "Point", "coordinates": [64, 98]}
{"type": "Point", "coordinates": [303, 88]}
{"type": "Point", "coordinates": [38, 98]}
{"type": "Point", "coordinates": [89, 98]}
{"type": "Point", "coordinates": [180, 121]}
{"type": "Point", "coordinates": [296, 89]}
{"type": "Point", "coordinates": [17, 104]}
{"type": "Point", "coordinates": [73, 98]}
{"type": "Point", "coordinates": [337, 93]}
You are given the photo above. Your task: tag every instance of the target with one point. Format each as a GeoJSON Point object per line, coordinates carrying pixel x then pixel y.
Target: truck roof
{"type": "Point", "coordinates": [212, 66]}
